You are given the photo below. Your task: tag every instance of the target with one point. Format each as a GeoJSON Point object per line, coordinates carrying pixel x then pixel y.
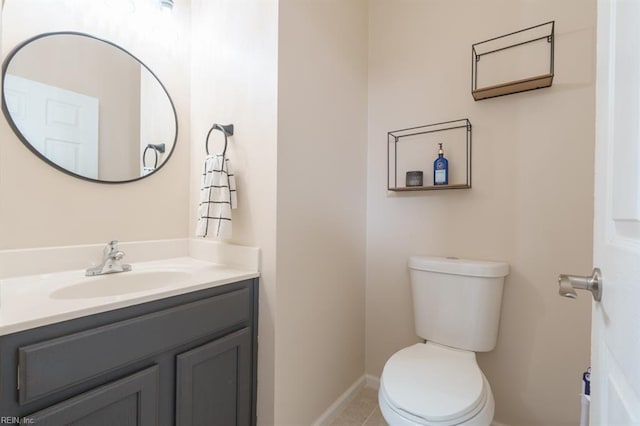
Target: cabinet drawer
{"type": "Point", "coordinates": [53, 365]}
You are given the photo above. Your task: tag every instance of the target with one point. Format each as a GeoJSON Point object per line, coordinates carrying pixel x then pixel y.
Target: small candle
{"type": "Point", "coordinates": [414, 178]}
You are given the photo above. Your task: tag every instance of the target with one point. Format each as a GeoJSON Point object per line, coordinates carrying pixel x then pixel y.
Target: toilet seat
{"type": "Point", "coordinates": [430, 384]}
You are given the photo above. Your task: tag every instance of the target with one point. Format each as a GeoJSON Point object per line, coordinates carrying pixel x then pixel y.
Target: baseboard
{"type": "Point", "coordinates": [372, 381]}
{"type": "Point", "coordinates": [339, 404]}
{"type": "Point", "coordinates": [368, 381]}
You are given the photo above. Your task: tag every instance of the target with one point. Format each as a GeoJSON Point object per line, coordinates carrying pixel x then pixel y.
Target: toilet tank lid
{"type": "Point", "coordinates": [456, 266]}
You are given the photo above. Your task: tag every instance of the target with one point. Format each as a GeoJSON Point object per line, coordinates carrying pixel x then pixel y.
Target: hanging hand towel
{"type": "Point", "coordinates": [217, 198]}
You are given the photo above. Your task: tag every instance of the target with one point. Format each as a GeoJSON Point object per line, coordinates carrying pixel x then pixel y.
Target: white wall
{"type": "Point", "coordinates": [532, 195]}
{"type": "Point", "coordinates": [40, 206]}
{"type": "Point", "coordinates": [321, 233]}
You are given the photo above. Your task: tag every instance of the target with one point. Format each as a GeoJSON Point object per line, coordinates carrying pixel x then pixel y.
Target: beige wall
{"type": "Point", "coordinates": [1, 12]}
{"type": "Point", "coordinates": [41, 206]}
{"type": "Point", "coordinates": [321, 232]}
{"type": "Point", "coordinates": [531, 201]}
{"type": "Point", "coordinates": [301, 182]}
{"type": "Point", "coordinates": [234, 72]}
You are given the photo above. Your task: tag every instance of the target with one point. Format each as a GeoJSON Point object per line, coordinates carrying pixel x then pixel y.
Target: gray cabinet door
{"type": "Point", "coordinates": [214, 383]}
{"type": "Point", "coordinates": [132, 401]}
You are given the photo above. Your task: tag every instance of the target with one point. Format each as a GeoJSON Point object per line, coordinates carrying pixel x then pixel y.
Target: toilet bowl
{"type": "Point", "coordinates": [430, 384]}
{"type": "Point", "coordinates": [457, 312]}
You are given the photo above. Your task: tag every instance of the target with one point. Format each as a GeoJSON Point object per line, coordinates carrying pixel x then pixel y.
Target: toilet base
{"type": "Point", "coordinates": [483, 418]}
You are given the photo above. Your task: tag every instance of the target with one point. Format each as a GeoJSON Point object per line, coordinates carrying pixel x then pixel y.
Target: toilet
{"type": "Point", "coordinates": [456, 304]}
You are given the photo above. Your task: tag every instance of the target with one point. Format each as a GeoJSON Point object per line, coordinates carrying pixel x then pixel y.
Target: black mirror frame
{"type": "Point", "coordinates": [23, 139]}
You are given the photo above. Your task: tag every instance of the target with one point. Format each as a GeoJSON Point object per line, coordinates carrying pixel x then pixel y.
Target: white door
{"type": "Point", "coordinates": [61, 124]}
{"type": "Point", "coordinates": [615, 347]}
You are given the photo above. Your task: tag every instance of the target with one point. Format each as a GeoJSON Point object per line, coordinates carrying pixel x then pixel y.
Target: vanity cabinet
{"type": "Point", "coordinates": [184, 360]}
{"type": "Point", "coordinates": [213, 382]}
{"type": "Point", "coordinates": [128, 401]}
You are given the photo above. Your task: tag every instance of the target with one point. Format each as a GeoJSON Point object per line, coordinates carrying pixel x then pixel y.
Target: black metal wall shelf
{"type": "Point", "coordinates": [419, 150]}
{"type": "Point", "coordinates": [528, 37]}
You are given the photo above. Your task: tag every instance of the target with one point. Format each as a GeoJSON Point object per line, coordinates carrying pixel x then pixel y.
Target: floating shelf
{"type": "Point", "coordinates": [538, 82]}
{"type": "Point", "coordinates": [429, 188]}
{"type": "Point", "coordinates": [513, 63]}
{"type": "Point", "coordinates": [416, 148]}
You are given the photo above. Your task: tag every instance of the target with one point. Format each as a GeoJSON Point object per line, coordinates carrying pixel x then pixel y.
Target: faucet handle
{"type": "Point", "coordinates": [111, 247]}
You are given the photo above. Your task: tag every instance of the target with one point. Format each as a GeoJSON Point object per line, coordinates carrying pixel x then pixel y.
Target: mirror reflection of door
{"type": "Point", "coordinates": [134, 110]}
{"type": "Point", "coordinates": [61, 124]}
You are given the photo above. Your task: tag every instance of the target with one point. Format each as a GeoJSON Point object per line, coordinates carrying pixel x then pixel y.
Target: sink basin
{"type": "Point", "coordinates": [119, 284]}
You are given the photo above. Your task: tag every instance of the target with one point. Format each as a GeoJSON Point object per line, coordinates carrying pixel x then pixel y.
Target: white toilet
{"type": "Point", "coordinates": [456, 305]}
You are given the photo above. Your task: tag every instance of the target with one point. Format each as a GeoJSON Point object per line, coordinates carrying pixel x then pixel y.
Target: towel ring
{"type": "Point", "coordinates": [157, 148]}
{"type": "Point", "coordinates": [227, 130]}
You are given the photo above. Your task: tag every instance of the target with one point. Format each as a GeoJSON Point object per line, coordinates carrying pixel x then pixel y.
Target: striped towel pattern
{"type": "Point", "coordinates": [217, 197]}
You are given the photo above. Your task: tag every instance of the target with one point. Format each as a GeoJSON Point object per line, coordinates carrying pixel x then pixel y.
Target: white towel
{"type": "Point", "coordinates": [217, 197]}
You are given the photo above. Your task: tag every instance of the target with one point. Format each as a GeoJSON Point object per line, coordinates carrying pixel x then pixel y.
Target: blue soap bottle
{"type": "Point", "coordinates": [441, 169]}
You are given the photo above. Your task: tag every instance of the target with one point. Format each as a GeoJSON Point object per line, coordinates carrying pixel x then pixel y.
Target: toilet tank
{"type": "Point", "coordinates": [456, 302]}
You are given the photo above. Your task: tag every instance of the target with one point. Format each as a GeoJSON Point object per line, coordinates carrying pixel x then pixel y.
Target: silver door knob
{"type": "Point", "coordinates": [568, 284]}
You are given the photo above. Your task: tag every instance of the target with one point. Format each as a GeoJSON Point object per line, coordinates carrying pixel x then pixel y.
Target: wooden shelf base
{"type": "Point", "coordinates": [429, 188]}
{"type": "Point", "coordinates": [516, 86]}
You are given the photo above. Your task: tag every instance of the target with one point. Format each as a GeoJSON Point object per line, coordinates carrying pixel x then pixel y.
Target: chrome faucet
{"type": "Point", "coordinates": [111, 261]}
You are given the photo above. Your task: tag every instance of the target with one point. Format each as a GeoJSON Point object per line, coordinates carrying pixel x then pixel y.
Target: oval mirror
{"type": "Point", "coordinates": [88, 107]}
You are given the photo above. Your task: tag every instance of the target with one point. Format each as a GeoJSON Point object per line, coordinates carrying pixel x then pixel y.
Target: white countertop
{"type": "Point", "coordinates": [26, 301]}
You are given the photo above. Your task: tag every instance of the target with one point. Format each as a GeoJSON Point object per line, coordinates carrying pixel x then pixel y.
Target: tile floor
{"type": "Point", "coordinates": [363, 410]}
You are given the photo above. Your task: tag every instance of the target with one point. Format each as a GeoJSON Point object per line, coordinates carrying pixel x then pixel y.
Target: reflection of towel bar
{"type": "Point", "coordinates": [226, 129]}
{"type": "Point", "coordinates": [157, 148]}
